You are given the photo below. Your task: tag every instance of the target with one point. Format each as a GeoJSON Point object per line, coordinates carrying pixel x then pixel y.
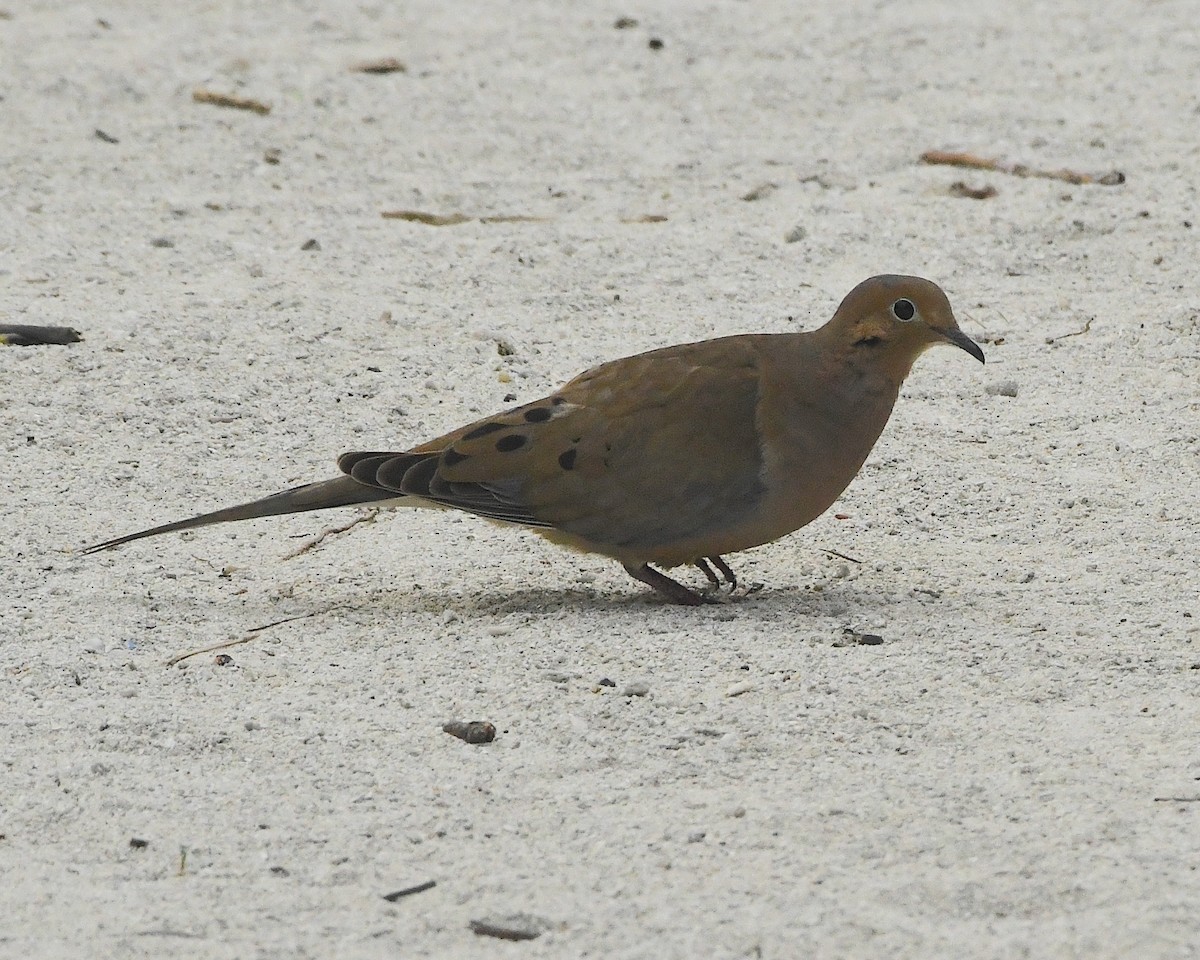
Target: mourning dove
{"type": "Point", "coordinates": [671, 457]}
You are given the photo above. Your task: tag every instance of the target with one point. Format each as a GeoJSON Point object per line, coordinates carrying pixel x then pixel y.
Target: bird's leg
{"type": "Point", "coordinates": [705, 565]}
{"type": "Point", "coordinates": [726, 572]}
{"type": "Point", "coordinates": [704, 568]}
{"type": "Point", "coordinates": [735, 588]}
{"type": "Point", "coordinates": [671, 589]}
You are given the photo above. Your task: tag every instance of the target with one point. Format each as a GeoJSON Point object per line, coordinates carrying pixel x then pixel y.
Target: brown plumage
{"type": "Point", "coordinates": [671, 457]}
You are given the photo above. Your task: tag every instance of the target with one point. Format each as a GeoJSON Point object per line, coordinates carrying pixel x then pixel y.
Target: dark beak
{"type": "Point", "coordinates": [960, 339]}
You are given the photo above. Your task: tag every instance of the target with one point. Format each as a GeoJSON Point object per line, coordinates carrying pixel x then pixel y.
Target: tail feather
{"type": "Point", "coordinates": [323, 495]}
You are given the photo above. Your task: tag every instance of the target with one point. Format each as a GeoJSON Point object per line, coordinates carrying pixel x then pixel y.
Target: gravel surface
{"type": "Point", "coordinates": [978, 738]}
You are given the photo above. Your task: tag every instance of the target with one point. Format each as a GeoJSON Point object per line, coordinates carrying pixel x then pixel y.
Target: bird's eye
{"type": "Point", "coordinates": [903, 310]}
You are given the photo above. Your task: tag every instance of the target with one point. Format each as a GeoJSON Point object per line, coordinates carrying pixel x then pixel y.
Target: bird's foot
{"type": "Point", "coordinates": [705, 566]}
{"type": "Point", "coordinates": [718, 590]}
{"type": "Point", "coordinates": [723, 591]}
{"type": "Point", "coordinates": [673, 590]}
{"type": "Point", "coordinates": [731, 589]}
{"type": "Point", "coordinates": [727, 593]}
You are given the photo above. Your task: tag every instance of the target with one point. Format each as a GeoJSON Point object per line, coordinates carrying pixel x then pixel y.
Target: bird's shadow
{"type": "Point", "coordinates": [783, 602]}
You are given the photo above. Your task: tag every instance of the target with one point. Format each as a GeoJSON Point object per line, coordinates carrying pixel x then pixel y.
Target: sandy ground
{"type": "Point", "coordinates": [1011, 773]}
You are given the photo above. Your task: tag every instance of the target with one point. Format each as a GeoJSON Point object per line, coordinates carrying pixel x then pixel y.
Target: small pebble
{"type": "Point", "coordinates": [474, 731]}
{"type": "Point", "coordinates": [1001, 388]}
{"type": "Point", "coordinates": [851, 637]}
{"type": "Point", "coordinates": [761, 191]}
{"type": "Point", "coordinates": [639, 688]}
{"type": "Point", "coordinates": [738, 689]}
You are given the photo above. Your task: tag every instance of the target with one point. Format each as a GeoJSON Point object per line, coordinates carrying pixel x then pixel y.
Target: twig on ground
{"type": "Point", "coordinates": [972, 161]}
{"type": "Point", "coordinates": [200, 95]}
{"type": "Point", "coordinates": [367, 517]}
{"type": "Point", "coordinates": [1074, 333]}
{"type": "Point", "coordinates": [180, 657]}
{"type": "Point", "coordinates": [454, 219]}
{"type": "Point", "coordinates": [409, 891]}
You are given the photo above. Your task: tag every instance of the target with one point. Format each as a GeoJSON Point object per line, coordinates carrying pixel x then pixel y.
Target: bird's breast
{"type": "Point", "coordinates": [817, 446]}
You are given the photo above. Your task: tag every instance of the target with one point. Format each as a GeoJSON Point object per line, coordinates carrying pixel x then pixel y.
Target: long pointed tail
{"type": "Point", "coordinates": [339, 492]}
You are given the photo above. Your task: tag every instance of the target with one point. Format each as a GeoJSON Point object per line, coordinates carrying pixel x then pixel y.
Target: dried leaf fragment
{"type": "Point", "coordinates": [26, 335]}
{"type": "Point", "coordinates": [382, 65]}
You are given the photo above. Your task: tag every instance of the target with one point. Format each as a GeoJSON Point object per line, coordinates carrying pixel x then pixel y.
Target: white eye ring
{"type": "Point", "coordinates": [904, 310]}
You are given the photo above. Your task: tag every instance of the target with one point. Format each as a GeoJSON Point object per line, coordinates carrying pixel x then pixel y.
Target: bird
{"type": "Point", "coordinates": [674, 457]}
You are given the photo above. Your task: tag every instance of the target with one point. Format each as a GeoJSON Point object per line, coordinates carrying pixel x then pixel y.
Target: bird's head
{"type": "Point", "coordinates": [891, 320]}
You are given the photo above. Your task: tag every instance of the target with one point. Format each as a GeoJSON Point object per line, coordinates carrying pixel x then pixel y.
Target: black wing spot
{"type": "Point", "coordinates": [484, 429]}
{"type": "Point", "coordinates": [538, 415]}
{"type": "Point", "coordinates": [452, 458]}
{"type": "Point", "coordinates": [566, 460]}
{"type": "Point", "coordinates": [514, 441]}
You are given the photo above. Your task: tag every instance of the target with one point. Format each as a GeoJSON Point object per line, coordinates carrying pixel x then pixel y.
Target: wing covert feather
{"type": "Point", "coordinates": [646, 450]}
